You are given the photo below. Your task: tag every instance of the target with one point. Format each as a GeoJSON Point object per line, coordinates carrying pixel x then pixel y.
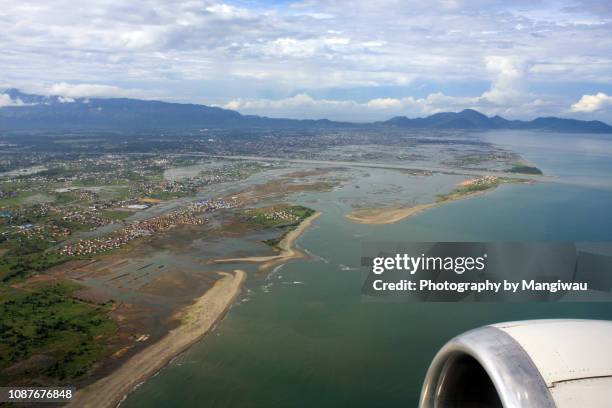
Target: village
{"type": "Point", "coordinates": [191, 215]}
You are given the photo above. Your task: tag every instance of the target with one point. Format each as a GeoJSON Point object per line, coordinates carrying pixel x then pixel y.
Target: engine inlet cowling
{"type": "Point", "coordinates": [530, 364]}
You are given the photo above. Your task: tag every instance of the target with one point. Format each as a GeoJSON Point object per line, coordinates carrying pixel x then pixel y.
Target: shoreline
{"type": "Point", "coordinates": [198, 319]}
{"type": "Point", "coordinates": [394, 214]}
{"type": "Point", "coordinates": [286, 246]}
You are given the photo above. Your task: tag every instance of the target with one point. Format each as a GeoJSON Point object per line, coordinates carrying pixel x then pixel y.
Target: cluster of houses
{"type": "Point", "coordinates": [278, 215]}
{"type": "Point", "coordinates": [46, 231]}
{"type": "Point", "coordinates": [191, 215]}
{"type": "Point", "coordinates": [485, 181]}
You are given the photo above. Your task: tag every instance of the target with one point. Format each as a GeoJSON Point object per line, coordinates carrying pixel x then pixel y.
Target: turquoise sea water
{"type": "Point", "coordinates": [304, 337]}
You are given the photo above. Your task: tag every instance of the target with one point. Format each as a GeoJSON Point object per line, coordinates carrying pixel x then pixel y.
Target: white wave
{"type": "Point", "coordinates": [274, 271]}
{"type": "Point", "coordinates": [315, 256]}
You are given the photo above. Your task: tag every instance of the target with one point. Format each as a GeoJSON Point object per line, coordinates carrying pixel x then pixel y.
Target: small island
{"type": "Point", "coordinates": [523, 168]}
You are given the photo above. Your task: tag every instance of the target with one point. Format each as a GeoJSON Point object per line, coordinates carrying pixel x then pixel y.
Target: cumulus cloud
{"type": "Point", "coordinates": [507, 83]}
{"type": "Point", "coordinates": [228, 12]}
{"type": "Point", "coordinates": [592, 103]}
{"type": "Point", "coordinates": [6, 100]}
{"type": "Point", "coordinates": [506, 96]}
{"type": "Point", "coordinates": [70, 91]}
{"type": "Point", "coordinates": [148, 37]}
{"type": "Point", "coordinates": [303, 106]}
{"type": "Point", "coordinates": [296, 48]}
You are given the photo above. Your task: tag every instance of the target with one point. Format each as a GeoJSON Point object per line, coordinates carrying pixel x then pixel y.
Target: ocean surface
{"type": "Point", "coordinates": [303, 337]}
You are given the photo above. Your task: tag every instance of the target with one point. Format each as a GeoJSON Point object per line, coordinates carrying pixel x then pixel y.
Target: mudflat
{"type": "Point", "coordinates": [198, 319]}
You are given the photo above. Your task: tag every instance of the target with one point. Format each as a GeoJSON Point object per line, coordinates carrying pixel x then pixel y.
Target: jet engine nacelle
{"type": "Point", "coordinates": [527, 364]}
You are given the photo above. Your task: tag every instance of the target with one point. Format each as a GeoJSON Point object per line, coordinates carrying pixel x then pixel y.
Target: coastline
{"type": "Point", "coordinates": [394, 214]}
{"type": "Point", "coordinates": [286, 246]}
{"type": "Point", "coordinates": [197, 321]}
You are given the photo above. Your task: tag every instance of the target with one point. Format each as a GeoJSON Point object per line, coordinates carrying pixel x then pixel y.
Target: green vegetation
{"type": "Point", "coordinates": [28, 238]}
{"type": "Point", "coordinates": [277, 216]}
{"type": "Point", "coordinates": [302, 212]}
{"type": "Point", "coordinates": [46, 334]}
{"type": "Point", "coordinates": [472, 187]}
{"type": "Point", "coordinates": [170, 195]}
{"type": "Point", "coordinates": [65, 198]}
{"type": "Point", "coordinates": [16, 266]}
{"type": "Point", "coordinates": [284, 217]}
{"type": "Point", "coordinates": [524, 169]}
{"type": "Point", "coordinates": [273, 242]}
{"type": "Point", "coordinates": [116, 215]}
{"type": "Point", "coordinates": [15, 199]}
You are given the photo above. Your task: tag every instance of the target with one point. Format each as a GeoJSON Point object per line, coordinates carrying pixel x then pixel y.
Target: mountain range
{"type": "Point", "coordinates": [38, 112]}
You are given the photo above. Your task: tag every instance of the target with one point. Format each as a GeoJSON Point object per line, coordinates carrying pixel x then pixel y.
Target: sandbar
{"type": "Point", "coordinates": [386, 215]}
{"type": "Point", "coordinates": [286, 246]}
{"type": "Point", "coordinates": [393, 214]}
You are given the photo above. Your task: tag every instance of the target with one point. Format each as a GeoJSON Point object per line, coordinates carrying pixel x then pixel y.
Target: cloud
{"type": "Point", "coordinates": [213, 51]}
{"type": "Point", "coordinates": [148, 37]}
{"type": "Point", "coordinates": [303, 106]}
{"type": "Point", "coordinates": [592, 103]}
{"type": "Point", "coordinates": [228, 12]}
{"type": "Point", "coordinates": [70, 91]}
{"type": "Point", "coordinates": [506, 96]}
{"type": "Point", "coordinates": [6, 100]}
{"type": "Point", "coordinates": [297, 102]}
{"type": "Point", "coordinates": [507, 83]}
{"type": "Point", "coordinates": [296, 48]}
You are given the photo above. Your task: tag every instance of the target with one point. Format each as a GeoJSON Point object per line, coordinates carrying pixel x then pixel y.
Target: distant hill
{"type": "Point", "coordinates": [471, 119]}
{"type": "Point", "coordinates": [37, 112]}
{"type": "Point", "coordinates": [55, 112]}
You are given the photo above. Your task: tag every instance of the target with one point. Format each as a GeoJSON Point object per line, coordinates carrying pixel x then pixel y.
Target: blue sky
{"type": "Point", "coordinates": [340, 59]}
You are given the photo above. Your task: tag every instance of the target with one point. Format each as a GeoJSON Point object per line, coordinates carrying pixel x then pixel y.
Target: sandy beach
{"type": "Point", "coordinates": [286, 246]}
{"type": "Point", "coordinates": [386, 215]}
{"type": "Point", "coordinates": [198, 319]}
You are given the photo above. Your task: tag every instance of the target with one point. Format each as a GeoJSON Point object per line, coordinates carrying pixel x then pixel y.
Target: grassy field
{"type": "Point", "coordinates": [14, 268]}
{"type": "Point", "coordinates": [283, 217]}
{"type": "Point", "coordinates": [277, 216]}
{"type": "Point", "coordinates": [15, 200]}
{"type": "Point", "coordinates": [48, 337]}
{"type": "Point", "coordinates": [116, 215]}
